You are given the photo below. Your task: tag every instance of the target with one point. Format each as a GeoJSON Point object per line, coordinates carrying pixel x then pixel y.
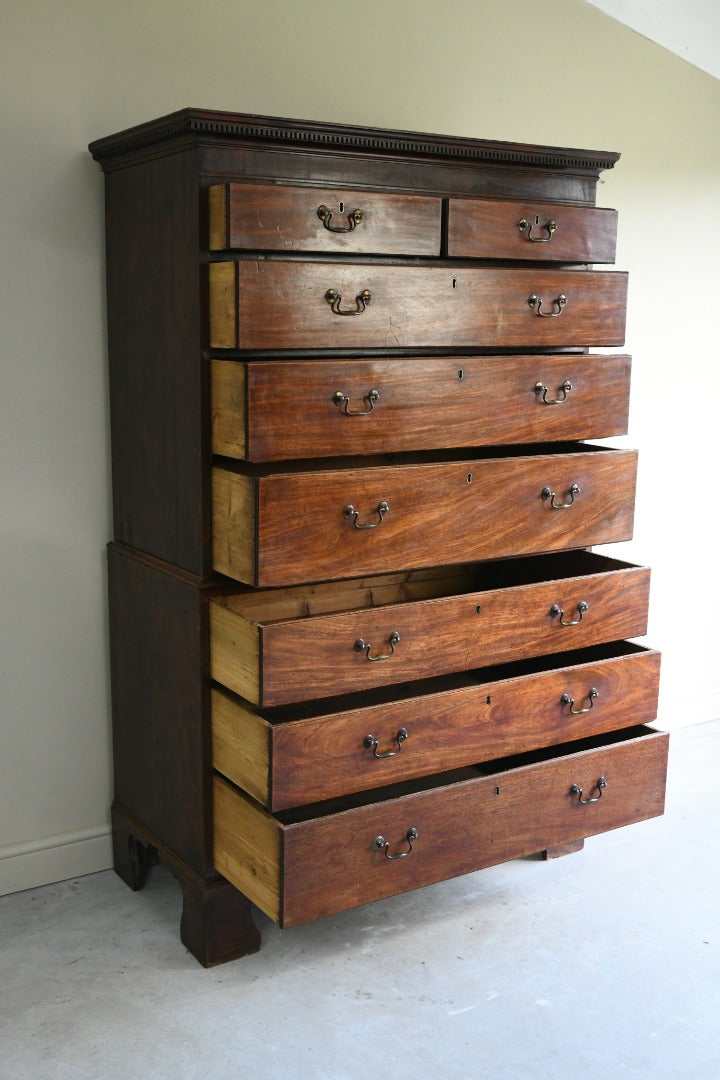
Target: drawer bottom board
{"type": "Point", "coordinates": [304, 864]}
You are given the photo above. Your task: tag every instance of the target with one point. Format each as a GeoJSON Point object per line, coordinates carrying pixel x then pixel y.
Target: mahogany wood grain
{"type": "Point", "coordinates": [272, 659]}
{"type": "Point", "coordinates": [450, 723]}
{"type": "Point", "coordinates": [282, 305]}
{"type": "Point", "coordinates": [488, 228]}
{"type": "Point", "coordinates": [328, 864]}
{"type": "Point", "coordinates": [270, 411]}
{"type": "Point", "coordinates": [284, 218]}
{"type": "Point", "coordinates": [439, 513]}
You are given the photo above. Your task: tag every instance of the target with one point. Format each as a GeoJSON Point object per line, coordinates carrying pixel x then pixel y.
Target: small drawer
{"type": "Point", "coordinates": [303, 864]}
{"type": "Point", "coordinates": [287, 758]}
{"type": "Point", "coordinates": [278, 526]}
{"type": "Point", "coordinates": [273, 217]}
{"type": "Point", "coordinates": [275, 410]}
{"type": "Point", "coordinates": [549, 232]}
{"type": "Point", "coordinates": [283, 645]}
{"type": "Point", "coordinates": [281, 304]}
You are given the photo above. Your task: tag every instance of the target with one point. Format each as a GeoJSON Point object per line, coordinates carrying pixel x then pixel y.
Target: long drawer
{"type": "Point", "coordinates": [551, 232]}
{"type": "Point", "coordinates": [282, 304]}
{"type": "Point", "coordinates": [279, 217]}
{"type": "Point", "coordinates": [285, 758]}
{"type": "Point", "coordinates": [277, 646]}
{"type": "Point", "coordinates": [274, 527]}
{"type": "Point", "coordinates": [275, 410]}
{"type": "Point", "coordinates": [315, 861]}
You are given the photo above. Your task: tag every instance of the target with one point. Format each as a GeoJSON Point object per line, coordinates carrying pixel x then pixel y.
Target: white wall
{"type": "Point", "coordinates": [557, 73]}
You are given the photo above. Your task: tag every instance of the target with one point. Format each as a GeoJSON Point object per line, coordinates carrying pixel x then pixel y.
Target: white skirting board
{"type": "Point", "coordinates": [55, 858]}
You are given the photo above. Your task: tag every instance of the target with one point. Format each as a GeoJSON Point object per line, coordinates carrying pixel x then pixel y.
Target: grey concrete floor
{"type": "Point", "coordinates": [602, 964]}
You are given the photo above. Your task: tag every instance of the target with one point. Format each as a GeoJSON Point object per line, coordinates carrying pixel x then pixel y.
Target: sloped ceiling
{"type": "Point", "coordinates": [688, 28]}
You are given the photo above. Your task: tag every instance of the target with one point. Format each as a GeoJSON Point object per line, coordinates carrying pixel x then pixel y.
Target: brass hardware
{"type": "Point", "coordinates": [599, 786]}
{"type": "Point", "coordinates": [334, 299]}
{"type": "Point", "coordinates": [381, 844]}
{"type": "Point", "coordinates": [549, 226]}
{"type": "Point", "coordinates": [371, 743]}
{"type": "Point", "coordinates": [565, 388]}
{"type": "Point", "coordinates": [567, 700]}
{"type": "Point", "coordinates": [556, 610]}
{"type": "Point", "coordinates": [548, 493]}
{"type": "Point", "coordinates": [381, 510]}
{"type": "Point", "coordinates": [461, 374]}
{"type": "Point", "coordinates": [325, 214]}
{"type": "Point", "coordinates": [365, 646]}
{"type": "Point", "coordinates": [372, 397]}
{"type": "Point", "coordinates": [536, 302]}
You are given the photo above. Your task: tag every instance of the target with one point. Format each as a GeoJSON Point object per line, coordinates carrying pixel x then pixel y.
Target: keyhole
{"type": "Point", "coordinates": [537, 217]}
{"type": "Point", "coordinates": [488, 700]}
{"type": "Point", "coordinates": [461, 374]}
{"type": "Point", "coordinates": [342, 207]}
{"type": "Point", "coordinates": [469, 478]}
{"type": "Point", "coordinates": [454, 283]}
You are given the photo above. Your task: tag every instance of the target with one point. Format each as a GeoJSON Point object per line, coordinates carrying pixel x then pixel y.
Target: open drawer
{"type": "Point", "coordinates": [300, 865]}
{"type": "Point", "coordinates": [279, 646]}
{"type": "Point", "coordinates": [296, 522]}
{"type": "Point", "coordinates": [292, 756]}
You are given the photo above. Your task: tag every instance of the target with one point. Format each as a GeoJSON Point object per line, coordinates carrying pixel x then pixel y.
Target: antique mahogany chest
{"type": "Point", "coordinates": [359, 641]}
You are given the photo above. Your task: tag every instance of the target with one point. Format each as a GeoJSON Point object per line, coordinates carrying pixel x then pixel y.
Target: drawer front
{"type": "Point", "coordinates": [294, 305]}
{"type": "Point", "coordinates": [550, 232]}
{"type": "Point", "coordinates": [324, 865]}
{"type": "Point", "coordinates": [326, 525]}
{"type": "Point", "coordinates": [449, 634]}
{"type": "Point", "coordinates": [270, 411]}
{"type": "Point", "coordinates": [280, 218]}
{"type": "Point", "coordinates": [457, 723]}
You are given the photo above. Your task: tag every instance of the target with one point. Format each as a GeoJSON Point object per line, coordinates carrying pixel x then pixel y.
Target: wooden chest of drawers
{"type": "Point", "coordinates": [359, 641]}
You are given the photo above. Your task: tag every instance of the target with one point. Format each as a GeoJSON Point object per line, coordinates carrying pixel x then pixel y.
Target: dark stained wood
{"type": "Point", "coordinates": [423, 403]}
{"type": "Point", "coordinates": [282, 305]}
{"type": "Point", "coordinates": [283, 218]}
{"type": "Point", "coordinates": [217, 921]}
{"type": "Point", "coordinates": [488, 229]}
{"type": "Point", "coordinates": [158, 380]}
{"type": "Point", "coordinates": [455, 629]}
{"type": "Point", "coordinates": [456, 722]}
{"type": "Point", "coordinates": [243, 129]}
{"type": "Point", "coordinates": [435, 515]}
{"type": "Point", "coordinates": [158, 639]}
{"type": "Point", "coordinates": [330, 863]}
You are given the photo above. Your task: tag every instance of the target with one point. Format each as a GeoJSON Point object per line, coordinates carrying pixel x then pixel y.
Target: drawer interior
{"type": "Point", "coordinates": [422, 457]}
{"type": "Point", "coordinates": [275, 605]}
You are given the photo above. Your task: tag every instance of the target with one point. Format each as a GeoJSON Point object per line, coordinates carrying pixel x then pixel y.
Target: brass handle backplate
{"type": "Point", "coordinates": [549, 227]}
{"type": "Point", "coordinates": [365, 646]}
{"type": "Point", "coordinates": [326, 214]}
{"type": "Point", "coordinates": [381, 844]}
{"type": "Point", "coordinates": [599, 787]}
{"type": "Point", "coordinates": [556, 610]}
{"type": "Point", "coordinates": [381, 510]}
{"type": "Point", "coordinates": [548, 493]}
{"type": "Point", "coordinates": [334, 299]}
{"type": "Point", "coordinates": [371, 743]}
{"type": "Point", "coordinates": [536, 303]}
{"type": "Point", "coordinates": [372, 397]}
{"type": "Point", "coordinates": [567, 700]}
{"type": "Point", "coordinates": [564, 389]}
